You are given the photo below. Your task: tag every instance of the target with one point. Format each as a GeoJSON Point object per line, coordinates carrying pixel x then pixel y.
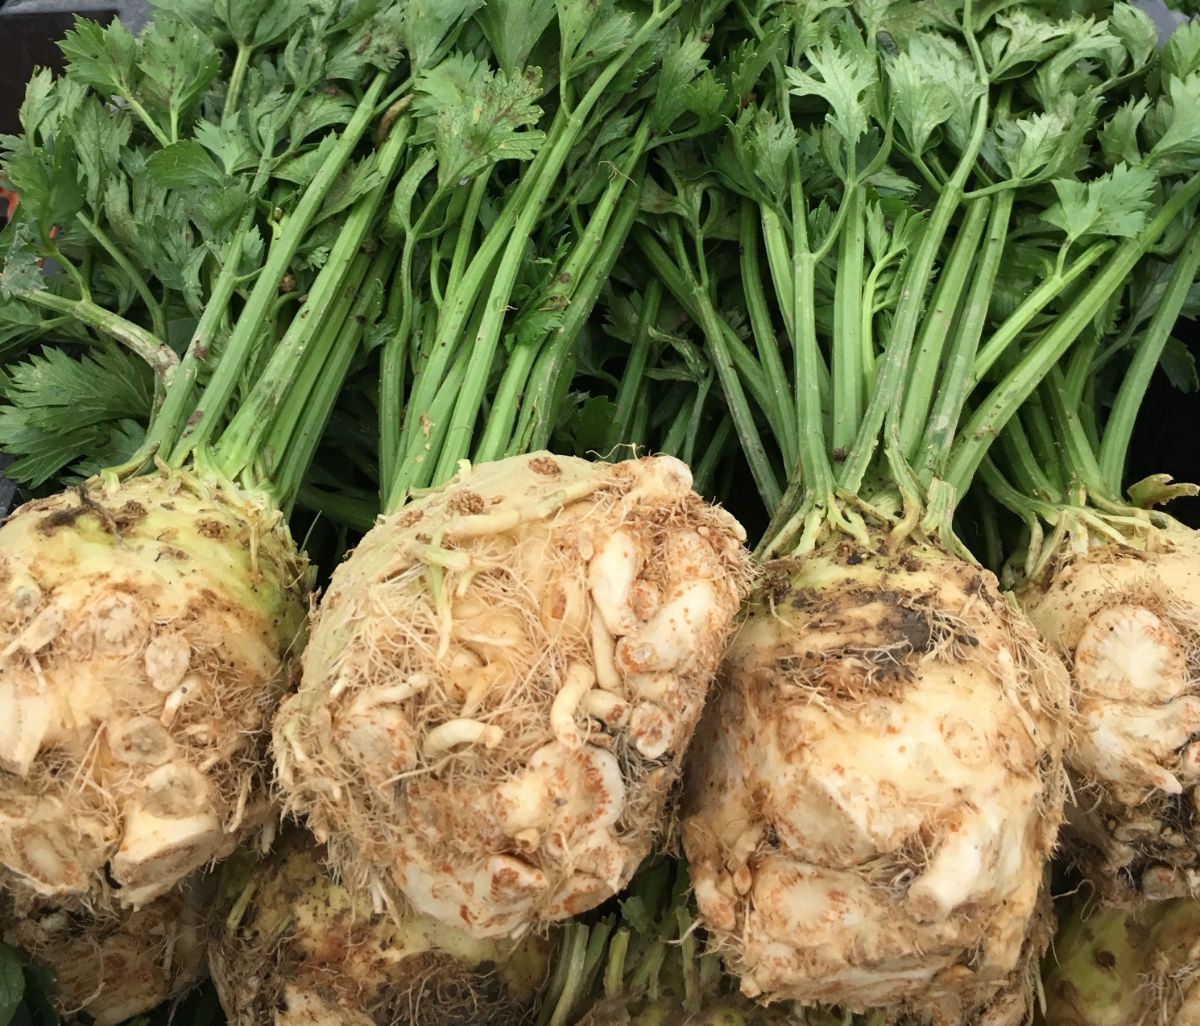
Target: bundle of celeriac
{"type": "Point", "coordinates": [153, 617]}
{"type": "Point", "coordinates": [293, 946]}
{"type": "Point", "coordinates": [1111, 581]}
{"type": "Point", "coordinates": [110, 965]}
{"type": "Point", "coordinates": [502, 678]}
{"type": "Point", "coordinates": [873, 798]}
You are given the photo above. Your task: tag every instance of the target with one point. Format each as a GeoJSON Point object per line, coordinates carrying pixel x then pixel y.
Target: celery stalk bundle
{"type": "Point", "coordinates": [153, 617]}
{"type": "Point", "coordinates": [502, 679]}
{"type": "Point", "coordinates": [1110, 580]}
{"type": "Point", "coordinates": [874, 796]}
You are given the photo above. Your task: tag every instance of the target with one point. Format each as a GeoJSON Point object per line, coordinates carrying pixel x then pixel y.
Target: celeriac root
{"type": "Point", "coordinates": [873, 794]}
{"type": "Point", "coordinates": [296, 948]}
{"type": "Point", "coordinates": [501, 681]}
{"type": "Point", "coordinates": [145, 631]}
{"type": "Point", "coordinates": [112, 964]}
{"type": "Point", "coordinates": [1133, 966]}
{"type": "Point", "coordinates": [1128, 622]}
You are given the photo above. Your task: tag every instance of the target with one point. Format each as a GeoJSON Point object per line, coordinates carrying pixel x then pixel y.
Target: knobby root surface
{"type": "Point", "coordinates": [875, 791]}
{"type": "Point", "coordinates": [146, 638]}
{"type": "Point", "coordinates": [501, 683]}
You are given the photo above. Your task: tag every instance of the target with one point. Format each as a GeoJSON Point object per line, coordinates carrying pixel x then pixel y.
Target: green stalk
{"type": "Point", "coordinates": [546, 385]}
{"type": "Point", "coordinates": [847, 369]}
{"type": "Point", "coordinates": [1037, 301]}
{"type": "Point", "coordinates": [936, 328]}
{"type": "Point", "coordinates": [779, 265]}
{"type": "Point", "coordinates": [1080, 368]}
{"type": "Point", "coordinates": [633, 380]}
{"type": "Point", "coordinates": [160, 357]}
{"type": "Point", "coordinates": [694, 298]}
{"type": "Point", "coordinates": [569, 979]}
{"type": "Point", "coordinates": [1080, 458]}
{"type": "Point", "coordinates": [1114, 443]}
{"type": "Point", "coordinates": [1000, 404]}
{"type": "Point", "coordinates": [332, 335]}
{"type": "Point", "coordinates": [453, 316]}
{"type": "Point", "coordinates": [764, 334]}
{"type": "Point", "coordinates": [159, 135]}
{"type": "Point", "coordinates": [236, 77]}
{"type": "Point", "coordinates": [169, 421]}
{"type": "Point", "coordinates": [420, 454]}
{"type": "Point", "coordinates": [358, 512]}
{"type": "Point", "coordinates": [674, 440]}
{"type": "Point", "coordinates": [1026, 467]}
{"type": "Point", "coordinates": [316, 400]}
{"type": "Point", "coordinates": [246, 337]}
{"type": "Point", "coordinates": [893, 367]}
{"type": "Point", "coordinates": [393, 362]}
{"type": "Point", "coordinates": [953, 384]}
{"type": "Point", "coordinates": [244, 436]}
{"type": "Point", "coordinates": [706, 467]}
{"type": "Point", "coordinates": [466, 409]}
{"type": "Point", "coordinates": [813, 461]}
{"type": "Point", "coordinates": [596, 247]}
{"type": "Point", "coordinates": [466, 231]}
{"type": "Point", "coordinates": [157, 319]}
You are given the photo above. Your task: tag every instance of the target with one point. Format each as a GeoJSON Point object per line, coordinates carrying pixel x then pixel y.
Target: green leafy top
{"type": "Point", "coordinates": [953, 195]}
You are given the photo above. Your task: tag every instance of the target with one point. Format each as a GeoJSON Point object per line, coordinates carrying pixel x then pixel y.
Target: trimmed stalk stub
{"type": "Point", "coordinates": [145, 637]}
{"type": "Point", "coordinates": [296, 948]}
{"type": "Point", "coordinates": [1132, 966]}
{"type": "Point", "coordinates": [1127, 620]}
{"type": "Point", "coordinates": [873, 793]}
{"type": "Point", "coordinates": [113, 964]}
{"type": "Point", "coordinates": [501, 682]}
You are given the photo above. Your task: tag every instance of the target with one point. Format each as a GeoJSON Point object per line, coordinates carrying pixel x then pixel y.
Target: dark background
{"type": "Point", "coordinates": [29, 30]}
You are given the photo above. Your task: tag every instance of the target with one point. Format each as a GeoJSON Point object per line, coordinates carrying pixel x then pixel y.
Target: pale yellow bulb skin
{"type": "Point", "coordinates": [297, 948]}
{"type": "Point", "coordinates": [146, 635]}
{"type": "Point", "coordinates": [1137, 965]}
{"type": "Point", "coordinates": [1127, 621]}
{"type": "Point", "coordinates": [501, 682]}
{"type": "Point", "coordinates": [874, 792]}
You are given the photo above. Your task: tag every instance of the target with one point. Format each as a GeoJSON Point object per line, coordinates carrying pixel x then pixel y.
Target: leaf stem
{"type": "Point", "coordinates": [597, 253]}
{"type": "Point", "coordinates": [1004, 400]}
{"type": "Point", "coordinates": [243, 438]}
{"type": "Point", "coordinates": [168, 423]}
{"type": "Point", "coordinates": [1118, 432]}
{"type": "Point", "coordinates": [596, 246]}
{"type": "Point", "coordinates": [765, 337]}
{"type": "Point", "coordinates": [246, 337]}
{"type": "Point", "coordinates": [633, 379]}
{"type": "Point", "coordinates": [544, 172]}
{"type": "Point", "coordinates": [927, 371]}
{"type": "Point", "coordinates": [236, 77]}
{"type": "Point", "coordinates": [892, 368]}
{"type": "Point", "coordinates": [847, 358]}
{"type": "Point", "coordinates": [161, 357]}
{"type": "Point", "coordinates": [1037, 301]}
{"type": "Point", "coordinates": [157, 318]}
{"type": "Point", "coordinates": [312, 400]}
{"type": "Point", "coordinates": [954, 380]}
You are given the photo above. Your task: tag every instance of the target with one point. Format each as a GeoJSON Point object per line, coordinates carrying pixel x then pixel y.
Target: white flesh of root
{"type": "Point", "coordinates": [296, 948]}
{"type": "Point", "coordinates": [113, 964]}
{"type": "Point", "coordinates": [872, 795]}
{"type": "Point", "coordinates": [501, 682]}
{"type": "Point", "coordinates": [1128, 623]}
{"type": "Point", "coordinates": [144, 645]}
